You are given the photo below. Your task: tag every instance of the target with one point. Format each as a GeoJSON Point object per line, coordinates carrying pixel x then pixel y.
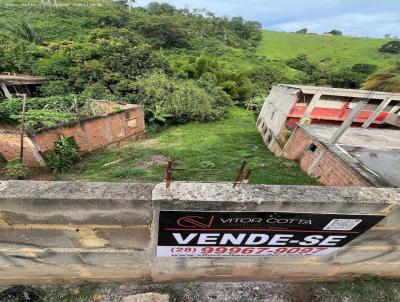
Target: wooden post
{"type": "Point", "coordinates": [347, 123]}
{"type": "Point", "coordinates": [377, 111]}
{"type": "Point", "coordinates": [21, 154]}
{"type": "Point", "coordinates": [6, 92]}
{"type": "Point", "coordinates": [310, 108]}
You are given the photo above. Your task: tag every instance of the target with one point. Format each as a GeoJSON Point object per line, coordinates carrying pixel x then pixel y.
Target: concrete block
{"type": "Point", "coordinates": [135, 238]}
{"type": "Point", "coordinates": [100, 259]}
{"type": "Point", "coordinates": [378, 238]}
{"type": "Point", "coordinates": [38, 274]}
{"type": "Point", "coordinates": [357, 255]}
{"type": "Point", "coordinates": [217, 196]}
{"type": "Point", "coordinates": [392, 219]}
{"type": "Point", "coordinates": [75, 203]}
{"type": "Point", "coordinates": [38, 238]}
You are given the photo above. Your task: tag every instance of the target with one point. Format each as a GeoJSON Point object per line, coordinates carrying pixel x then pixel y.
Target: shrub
{"type": "Point", "coordinates": [255, 104]}
{"type": "Point", "coordinates": [364, 68]}
{"type": "Point", "coordinates": [14, 169]}
{"type": "Point", "coordinates": [186, 101]}
{"type": "Point", "coordinates": [63, 156]}
{"type": "Point", "coordinates": [35, 119]}
{"type": "Point", "coordinates": [68, 103]}
{"type": "Point", "coordinates": [392, 47]}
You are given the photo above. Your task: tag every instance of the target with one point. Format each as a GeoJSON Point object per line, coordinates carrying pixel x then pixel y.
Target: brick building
{"type": "Point", "coordinates": [361, 157]}
{"type": "Point", "coordinates": [288, 105]}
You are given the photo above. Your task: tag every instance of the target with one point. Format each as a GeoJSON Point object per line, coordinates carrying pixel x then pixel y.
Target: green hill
{"type": "Point", "coordinates": [340, 51]}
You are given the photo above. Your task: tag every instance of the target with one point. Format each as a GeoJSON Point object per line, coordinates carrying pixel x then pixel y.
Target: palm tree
{"type": "Point", "coordinates": [386, 80]}
{"type": "Point", "coordinates": [21, 29]}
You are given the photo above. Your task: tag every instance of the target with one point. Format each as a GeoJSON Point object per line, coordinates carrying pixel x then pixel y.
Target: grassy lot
{"type": "Point", "coordinates": [340, 51]}
{"type": "Point", "coordinates": [219, 147]}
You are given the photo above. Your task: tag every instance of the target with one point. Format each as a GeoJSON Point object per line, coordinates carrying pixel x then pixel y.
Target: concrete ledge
{"type": "Point", "coordinates": [52, 232]}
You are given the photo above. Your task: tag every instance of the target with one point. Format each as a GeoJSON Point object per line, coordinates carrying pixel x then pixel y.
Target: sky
{"type": "Point", "coordinates": [369, 18]}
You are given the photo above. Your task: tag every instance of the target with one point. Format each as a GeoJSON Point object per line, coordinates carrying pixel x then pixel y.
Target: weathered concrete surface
{"type": "Point", "coordinates": [54, 232]}
{"type": "Point", "coordinates": [75, 203]}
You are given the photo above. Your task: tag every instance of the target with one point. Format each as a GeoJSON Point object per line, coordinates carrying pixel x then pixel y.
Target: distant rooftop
{"type": "Point", "coordinates": [21, 79]}
{"type": "Point", "coordinates": [374, 153]}
{"type": "Point", "coordinates": [364, 94]}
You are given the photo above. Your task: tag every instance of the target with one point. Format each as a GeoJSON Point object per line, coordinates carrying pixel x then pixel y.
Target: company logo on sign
{"type": "Point", "coordinates": [195, 222]}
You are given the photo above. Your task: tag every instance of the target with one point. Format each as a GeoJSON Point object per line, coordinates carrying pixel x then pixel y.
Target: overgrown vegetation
{"type": "Point", "coordinates": [183, 65]}
{"type": "Point", "coordinates": [45, 112]}
{"type": "Point", "coordinates": [14, 169]}
{"type": "Point", "coordinates": [63, 156]}
{"type": "Point", "coordinates": [220, 146]}
{"type": "Point", "coordinates": [107, 51]}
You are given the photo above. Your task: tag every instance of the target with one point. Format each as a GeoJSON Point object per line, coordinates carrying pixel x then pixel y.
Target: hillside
{"type": "Point", "coordinates": [340, 51]}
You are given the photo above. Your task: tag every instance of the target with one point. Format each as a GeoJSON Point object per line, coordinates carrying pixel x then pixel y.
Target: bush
{"type": "Point", "coordinates": [186, 101]}
{"type": "Point", "coordinates": [11, 109]}
{"type": "Point", "coordinates": [35, 119]}
{"type": "Point", "coordinates": [364, 68]}
{"type": "Point", "coordinates": [63, 156]}
{"type": "Point", "coordinates": [14, 169]}
{"type": "Point", "coordinates": [393, 47]}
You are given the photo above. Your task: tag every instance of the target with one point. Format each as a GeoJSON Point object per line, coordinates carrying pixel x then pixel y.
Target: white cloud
{"type": "Point", "coordinates": [375, 25]}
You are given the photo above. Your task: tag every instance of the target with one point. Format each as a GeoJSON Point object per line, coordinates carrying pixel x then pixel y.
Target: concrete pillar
{"type": "Point", "coordinates": [347, 123]}
{"type": "Point", "coordinates": [377, 111]}
{"type": "Point", "coordinates": [310, 108]}
{"type": "Point", "coordinates": [6, 92]}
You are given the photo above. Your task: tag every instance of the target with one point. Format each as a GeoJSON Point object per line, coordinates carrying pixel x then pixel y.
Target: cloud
{"type": "Point", "coordinates": [375, 25]}
{"type": "Point", "coordinates": [355, 17]}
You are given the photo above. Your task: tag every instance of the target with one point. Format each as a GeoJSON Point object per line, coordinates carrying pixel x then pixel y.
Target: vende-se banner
{"type": "Point", "coordinates": [257, 234]}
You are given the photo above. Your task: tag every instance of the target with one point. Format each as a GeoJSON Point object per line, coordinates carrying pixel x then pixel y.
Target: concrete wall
{"type": "Point", "coordinates": [90, 134]}
{"type": "Point", "coordinates": [69, 231]}
{"type": "Point", "coordinates": [322, 164]}
{"type": "Point", "coordinates": [273, 115]}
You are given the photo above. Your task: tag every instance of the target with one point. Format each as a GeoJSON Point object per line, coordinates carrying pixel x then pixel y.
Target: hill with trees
{"type": "Point", "coordinates": [183, 65]}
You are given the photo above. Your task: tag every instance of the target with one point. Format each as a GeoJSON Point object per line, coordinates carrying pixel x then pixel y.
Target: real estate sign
{"type": "Point", "coordinates": [257, 234]}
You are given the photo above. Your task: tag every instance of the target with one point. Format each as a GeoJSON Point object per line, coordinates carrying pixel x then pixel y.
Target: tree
{"type": "Point", "coordinates": [335, 32]}
{"type": "Point", "coordinates": [346, 78]}
{"type": "Point", "coordinates": [22, 30]}
{"type": "Point", "coordinates": [385, 80]}
{"type": "Point", "coordinates": [302, 31]}
{"type": "Point", "coordinates": [387, 36]}
{"type": "Point", "coordinates": [301, 63]}
{"type": "Point", "coordinates": [164, 32]}
{"type": "Point", "coordinates": [364, 68]}
{"type": "Point", "coordinates": [160, 8]}
{"type": "Point", "coordinates": [393, 47]}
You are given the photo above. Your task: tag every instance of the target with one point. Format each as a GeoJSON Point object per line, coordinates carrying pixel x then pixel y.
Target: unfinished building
{"type": "Point", "coordinates": [343, 137]}
{"type": "Point", "coordinates": [288, 105]}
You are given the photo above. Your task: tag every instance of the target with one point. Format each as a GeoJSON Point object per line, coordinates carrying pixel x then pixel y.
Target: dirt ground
{"type": "Point", "coordinates": [178, 292]}
{"type": "Point", "coordinates": [373, 289]}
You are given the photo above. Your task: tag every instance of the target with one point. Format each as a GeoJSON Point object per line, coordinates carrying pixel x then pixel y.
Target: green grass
{"type": "Point", "coordinates": [219, 147]}
{"type": "Point", "coordinates": [341, 51]}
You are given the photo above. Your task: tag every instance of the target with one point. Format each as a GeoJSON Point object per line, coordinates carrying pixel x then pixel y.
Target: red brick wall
{"type": "Point", "coordinates": [10, 144]}
{"type": "Point", "coordinates": [96, 133]}
{"type": "Point", "coordinates": [330, 170]}
{"type": "Point", "coordinates": [90, 134]}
